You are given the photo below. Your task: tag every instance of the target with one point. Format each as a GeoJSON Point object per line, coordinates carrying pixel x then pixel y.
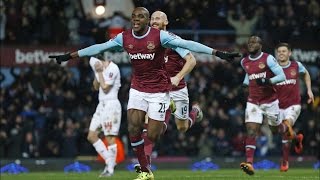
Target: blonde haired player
{"type": "Point", "coordinates": [108, 111]}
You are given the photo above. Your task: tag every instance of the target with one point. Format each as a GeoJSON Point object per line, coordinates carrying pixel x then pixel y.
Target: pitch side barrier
{"type": "Point", "coordinates": [25, 56]}
{"type": "Point", "coordinates": [58, 164]}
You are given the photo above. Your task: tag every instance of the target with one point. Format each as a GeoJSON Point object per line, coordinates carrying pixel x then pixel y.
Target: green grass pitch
{"type": "Point", "coordinates": [232, 174]}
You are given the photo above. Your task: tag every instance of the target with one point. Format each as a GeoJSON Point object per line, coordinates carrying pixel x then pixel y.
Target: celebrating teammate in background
{"type": "Point", "coordinates": [179, 62]}
{"type": "Point", "coordinates": [150, 83]}
{"type": "Point", "coordinates": [262, 72]}
{"type": "Point", "coordinates": [289, 98]}
{"type": "Point", "coordinates": [108, 112]}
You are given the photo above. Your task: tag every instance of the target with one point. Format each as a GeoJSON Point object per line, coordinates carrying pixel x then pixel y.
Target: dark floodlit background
{"type": "Point", "coordinates": [46, 108]}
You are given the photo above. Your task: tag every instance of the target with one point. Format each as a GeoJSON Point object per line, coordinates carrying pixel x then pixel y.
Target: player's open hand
{"type": "Point", "coordinates": [61, 58]}
{"type": "Point", "coordinates": [175, 81]}
{"type": "Point", "coordinates": [228, 56]}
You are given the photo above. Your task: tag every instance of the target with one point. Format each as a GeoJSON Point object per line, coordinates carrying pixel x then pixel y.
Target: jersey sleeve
{"type": "Point", "coordinates": [170, 40]}
{"type": "Point", "coordinates": [111, 75]}
{"type": "Point", "coordinates": [246, 80]}
{"type": "Point", "coordinates": [276, 69]}
{"type": "Point", "coordinates": [113, 44]}
{"type": "Point", "coordinates": [301, 68]}
{"type": "Point", "coordinates": [182, 52]}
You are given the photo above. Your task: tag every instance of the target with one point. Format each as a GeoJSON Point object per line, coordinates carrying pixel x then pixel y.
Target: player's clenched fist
{"type": "Point", "coordinates": [175, 81]}
{"type": "Point", "coordinates": [61, 58]}
{"type": "Point", "coordinates": [228, 56]}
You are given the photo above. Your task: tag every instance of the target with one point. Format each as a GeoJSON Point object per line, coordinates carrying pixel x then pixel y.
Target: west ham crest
{"type": "Point", "coordinates": [150, 45]}
{"type": "Point", "coordinates": [130, 46]}
{"type": "Point", "coordinates": [293, 72]}
{"type": "Point", "coordinates": [262, 65]}
{"type": "Point", "coordinates": [110, 75]}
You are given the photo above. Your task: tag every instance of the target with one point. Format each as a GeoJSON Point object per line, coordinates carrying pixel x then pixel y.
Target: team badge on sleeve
{"type": "Point", "coordinates": [110, 75]}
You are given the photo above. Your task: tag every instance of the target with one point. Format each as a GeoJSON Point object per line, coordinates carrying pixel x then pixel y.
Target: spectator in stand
{"type": "Point", "coordinates": [87, 30]}
{"type": "Point", "coordinates": [3, 21]}
{"type": "Point", "coordinates": [115, 24]}
{"type": "Point", "coordinates": [243, 27]}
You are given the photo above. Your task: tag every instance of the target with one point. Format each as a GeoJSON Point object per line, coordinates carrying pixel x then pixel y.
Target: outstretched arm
{"type": "Point", "coordinates": [170, 40]}
{"type": "Point", "coordinates": [115, 43]}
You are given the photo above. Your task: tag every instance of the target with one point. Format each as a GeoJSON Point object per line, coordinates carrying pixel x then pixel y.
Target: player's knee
{"type": "Point", "coordinates": [182, 128]}
{"type": "Point", "coordinates": [182, 125]}
{"type": "Point", "coordinates": [133, 130]}
{"type": "Point", "coordinates": [92, 138]}
{"type": "Point", "coordinates": [251, 133]}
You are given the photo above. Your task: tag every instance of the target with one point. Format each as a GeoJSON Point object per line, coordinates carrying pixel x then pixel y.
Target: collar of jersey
{"type": "Point", "coordinates": [287, 65]}
{"type": "Point", "coordinates": [253, 59]}
{"type": "Point", "coordinates": [140, 37]}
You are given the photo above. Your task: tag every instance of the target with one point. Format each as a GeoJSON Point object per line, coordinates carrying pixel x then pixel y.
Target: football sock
{"type": "Point", "coordinates": [148, 145]}
{"type": "Point", "coordinates": [101, 149]}
{"type": "Point", "coordinates": [137, 144]}
{"type": "Point", "coordinates": [112, 159]}
{"type": "Point", "coordinates": [285, 148]}
{"type": "Point", "coordinates": [250, 148]}
{"type": "Point", "coordinates": [192, 117]}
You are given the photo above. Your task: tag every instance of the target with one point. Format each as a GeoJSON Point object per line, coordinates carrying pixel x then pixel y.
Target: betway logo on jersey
{"type": "Point", "coordinates": [141, 56]}
{"type": "Point", "coordinates": [286, 82]}
{"type": "Point", "coordinates": [258, 76]}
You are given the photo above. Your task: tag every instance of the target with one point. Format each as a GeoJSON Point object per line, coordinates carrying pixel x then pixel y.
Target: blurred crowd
{"type": "Point", "coordinates": [46, 112]}
{"type": "Point", "coordinates": [64, 22]}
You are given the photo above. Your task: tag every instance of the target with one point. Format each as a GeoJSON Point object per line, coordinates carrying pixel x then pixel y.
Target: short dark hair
{"type": "Point", "coordinates": [100, 56]}
{"type": "Point", "coordinates": [284, 45]}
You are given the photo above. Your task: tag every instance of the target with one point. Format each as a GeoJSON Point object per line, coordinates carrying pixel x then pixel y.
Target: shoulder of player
{"type": "Point", "coordinates": [169, 33]}
{"type": "Point", "coordinates": [114, 66]}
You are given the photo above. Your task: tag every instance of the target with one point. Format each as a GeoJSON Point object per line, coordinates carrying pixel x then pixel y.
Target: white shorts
{"type": "Point", "coordinates": [292, 112]}
{"type": "Point", "coordinates": [181, 99]}
{"type": "Point", "coordinates": [154, 104]}
{"type": "Point", "coordinates": [256, 113]}
{"type": "Point", "coordinates": [107, 116]}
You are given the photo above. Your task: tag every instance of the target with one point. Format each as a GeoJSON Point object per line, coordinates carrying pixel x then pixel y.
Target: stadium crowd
{"type": "Point", "coordinates": [45, 22]}
{"type": "Point", "coordinates": [46, 111]}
